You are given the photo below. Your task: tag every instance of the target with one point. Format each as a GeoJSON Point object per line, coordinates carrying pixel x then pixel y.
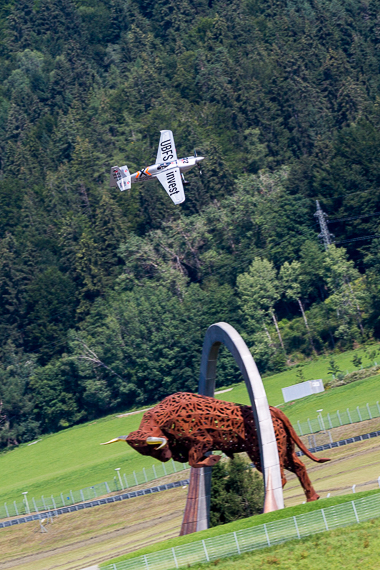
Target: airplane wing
{"type": "Point", "coordinates": [166, 148]}
{"type": "Point", "coordinates": [172, 182]}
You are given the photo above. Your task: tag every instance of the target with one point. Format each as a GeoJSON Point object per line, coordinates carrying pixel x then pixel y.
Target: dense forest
{"type": "Point", "coordinates": [106, 296]}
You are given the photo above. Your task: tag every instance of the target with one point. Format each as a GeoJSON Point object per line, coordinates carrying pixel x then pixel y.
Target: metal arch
{"type": "Point", "coordinates": [198, 503]}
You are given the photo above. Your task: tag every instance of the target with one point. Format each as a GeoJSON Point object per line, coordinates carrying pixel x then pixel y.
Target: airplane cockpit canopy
{"type": "Point", "coordinates": [163, 165]}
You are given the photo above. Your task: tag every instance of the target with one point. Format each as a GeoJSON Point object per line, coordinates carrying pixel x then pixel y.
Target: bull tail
{"type": "Point", "coordinates": [291, 431]}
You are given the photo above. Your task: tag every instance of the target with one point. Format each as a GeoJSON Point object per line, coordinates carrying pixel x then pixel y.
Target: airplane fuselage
{"type": "Point", "coordinates": [168, 170]}
{"type": "Point", "coordinates": [151, 172]}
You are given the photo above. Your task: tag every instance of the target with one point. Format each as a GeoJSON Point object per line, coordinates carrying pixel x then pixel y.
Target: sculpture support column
{"type": "Point", "coordinates": [222, 333]}
{"type": "Point", "coordinates": [196, 515]}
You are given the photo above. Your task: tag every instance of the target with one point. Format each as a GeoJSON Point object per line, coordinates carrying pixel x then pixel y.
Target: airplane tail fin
{"type": "Point", "coordinates": [120, 177]}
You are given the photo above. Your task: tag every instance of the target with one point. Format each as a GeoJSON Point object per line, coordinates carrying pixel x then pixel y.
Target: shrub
{"type": "Point", "coordinates": [237, 492]}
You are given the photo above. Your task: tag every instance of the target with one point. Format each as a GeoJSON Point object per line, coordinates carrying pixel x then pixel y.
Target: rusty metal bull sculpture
{"type": "Point", "coordinates": [186, 426]}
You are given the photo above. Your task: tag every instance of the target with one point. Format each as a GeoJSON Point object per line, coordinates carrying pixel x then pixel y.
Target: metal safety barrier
{"type": "Point", "coordinates": [123, 482]}
{"type": "Point", "coordinates": [341, 442]}
{"type": "Point", "coordinates": [96, 503]}
{"type": "Point", "coordinates": [261, 536]}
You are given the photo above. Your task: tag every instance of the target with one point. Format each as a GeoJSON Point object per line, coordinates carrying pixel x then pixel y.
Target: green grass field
{"type": "Point", "coordinates": [73, 458]}
{"type": "Point", "coordinates": [70, 459]}
{"type": "Point", "coordinates": [349, 396]}
{"type": "Point", "coordinates": [242, 524]}
{"type": "Point", "coordinates": [356, 394]}
{"type": "Point", "coordinates": [349, 548]}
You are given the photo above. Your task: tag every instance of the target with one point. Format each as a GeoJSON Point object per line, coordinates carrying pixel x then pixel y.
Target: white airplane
{"type": "Point", "coordinates": [168, 170]}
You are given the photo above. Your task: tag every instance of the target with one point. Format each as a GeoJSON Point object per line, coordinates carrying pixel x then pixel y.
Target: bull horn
{"type": "Point", "coordinates": [154, 440]}
{"type": "Point", "coordinates": [120, 438]}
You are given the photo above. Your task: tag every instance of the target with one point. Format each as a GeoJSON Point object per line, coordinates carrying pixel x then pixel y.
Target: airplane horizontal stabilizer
{"type": "Point", "coordinates": [120, 177]}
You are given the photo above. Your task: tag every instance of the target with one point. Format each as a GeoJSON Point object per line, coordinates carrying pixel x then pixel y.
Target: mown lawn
{"type": "Point", "coordinates": [349, 548]}
{"type": "Point", "coordinates": [356, 394]}
{"type": "Point", "coordinates": [70, 459]}
{"type": "Point", "coordinates": [242, 524]}
{"type": "Point", "coordinates": [73, 458]}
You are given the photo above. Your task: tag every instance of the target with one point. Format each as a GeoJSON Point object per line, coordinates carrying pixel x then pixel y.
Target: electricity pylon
{"type": "Point", "coordinates": [325, 235]}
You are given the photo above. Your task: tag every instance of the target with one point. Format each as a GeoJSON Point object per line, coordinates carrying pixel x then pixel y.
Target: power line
{"type": "Point", "coordinates": [347, 194]}
{"type": "Point", "coordinates": [358, 238]}
{"type": "Point", "coordinates": [352, 218]}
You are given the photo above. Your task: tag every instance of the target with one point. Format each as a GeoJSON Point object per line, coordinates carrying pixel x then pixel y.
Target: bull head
{"type": "Point", "coordinates": [147, 443]}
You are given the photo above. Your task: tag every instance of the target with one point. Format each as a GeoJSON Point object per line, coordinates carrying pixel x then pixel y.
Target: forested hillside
{"type": "Point", "coordinates": [106, 296]}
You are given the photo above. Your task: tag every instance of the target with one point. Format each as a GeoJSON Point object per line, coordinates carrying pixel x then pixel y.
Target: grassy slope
{"type": "Point", "coordinates": [70, 459]}
{"type": "Point", "coordinates": [242, 524]}
{"type": "Point", "coordinates": [349, 548]}
{"type": "Point", "coordinates": [350, 396]}
{"type": "Point", "coordinates": [356, 394]}
{"type": "Point", "coordinates": [73, 458]}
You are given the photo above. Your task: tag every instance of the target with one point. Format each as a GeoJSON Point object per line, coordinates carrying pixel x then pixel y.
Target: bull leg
{"type": "Point", "coordinates": [202, 444]}
{"type": "Point", "coordinates": [296, 466]}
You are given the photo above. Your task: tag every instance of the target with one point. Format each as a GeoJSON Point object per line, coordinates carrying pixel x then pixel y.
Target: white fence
{"type": "Point", "coordinates": [269, 534]}
{"type": "Point", "coordinates": [45, 503]}
{"type": "Point", "coordinates": [338, 418]}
